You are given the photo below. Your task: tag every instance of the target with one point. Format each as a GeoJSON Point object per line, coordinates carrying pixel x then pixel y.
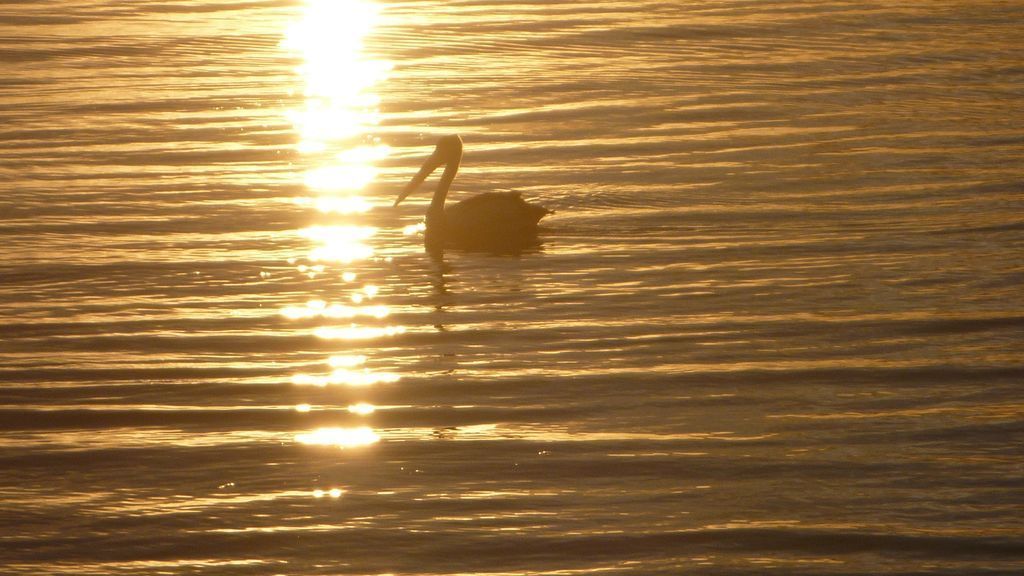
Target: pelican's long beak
{"type": "Point", "coordinates": [433, 161]}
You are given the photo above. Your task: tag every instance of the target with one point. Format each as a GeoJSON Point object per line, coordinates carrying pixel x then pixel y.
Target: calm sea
{"type": "Point", "coordinates": [775, 323]}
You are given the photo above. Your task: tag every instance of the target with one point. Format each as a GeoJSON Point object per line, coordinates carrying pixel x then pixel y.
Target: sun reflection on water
{"type": "Point", "coordinates": [321, 309]}
{"type": "Point", "coordinates": [346, 361]}
{"type": "Point", "coordinates": [340, 109]}
{"type": "Point", "coordinates": [338, 77]}
{"type": "Point", "coordinates": [330, 205]}
{"type": "Point", "coordinates": [339, 153]}
{"type": "Point", "coordinates": [364, 377]}
{"type": "Point", "coordinates": [340, 437]}
{"type": "Point", "coordinates": [362, 408]}
{"type": "Point", "coordinates": [355, 332]}
{"type": "Point", "coordinates": [341, 244]}
{"type": "Point", "coordinates": [333, 493]}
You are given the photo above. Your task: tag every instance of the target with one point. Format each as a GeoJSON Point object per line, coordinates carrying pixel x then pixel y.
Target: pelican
{"type": "Point", "coordinates": [496, 221]}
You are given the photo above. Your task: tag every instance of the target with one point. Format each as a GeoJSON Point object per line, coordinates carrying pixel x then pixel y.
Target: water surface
{"type": "Point", "coordinates": [774, 324]}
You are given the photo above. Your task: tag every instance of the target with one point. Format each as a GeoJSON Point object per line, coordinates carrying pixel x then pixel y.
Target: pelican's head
{"type": "Point", "coordinates": [447, 152]}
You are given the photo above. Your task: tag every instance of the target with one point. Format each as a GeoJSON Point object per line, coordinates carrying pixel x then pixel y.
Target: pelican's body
{"type": "Point", "coordinates": [491, 221]}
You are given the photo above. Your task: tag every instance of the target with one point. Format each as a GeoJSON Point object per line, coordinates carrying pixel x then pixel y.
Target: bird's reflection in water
{"type": "Point", "coordinates": [439, 281]}
{"type": "Point", "coordinates": [442, 274]}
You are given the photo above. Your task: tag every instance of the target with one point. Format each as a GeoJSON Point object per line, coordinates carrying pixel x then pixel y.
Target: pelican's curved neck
{"type": "Point", "coordinates": [451, 168]}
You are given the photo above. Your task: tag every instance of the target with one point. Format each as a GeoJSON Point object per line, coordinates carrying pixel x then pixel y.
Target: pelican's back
{"type": "Point", "coordinates": [493, 219]}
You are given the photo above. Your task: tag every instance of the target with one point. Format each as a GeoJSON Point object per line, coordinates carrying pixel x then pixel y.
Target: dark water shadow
{"type": "Point", "coordinates": [443, 297]}
{"type": "Point", "coordinates": [507, 246]}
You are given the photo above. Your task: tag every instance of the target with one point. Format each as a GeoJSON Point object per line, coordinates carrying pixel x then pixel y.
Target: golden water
{"type": "Point", "coordinates": [774, 323]}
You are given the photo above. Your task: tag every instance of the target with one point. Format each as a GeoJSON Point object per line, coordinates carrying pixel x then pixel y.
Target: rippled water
{"type": "Point", "coordinates": [775, 322]}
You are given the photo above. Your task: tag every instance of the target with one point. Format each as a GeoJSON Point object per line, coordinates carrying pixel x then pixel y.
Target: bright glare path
{"type": "Point", "coordinates": [354, 332]}
{"type": "Point", "coordinates": [362, 377]}
{"type": "Point", "coordinates": [321, 309]}
{"type": "Point", "coordinates": [340, 104]}
{"type": "Point", "coordinates": [333, 493]}
{"type": "Point", "coordinates": [339, 114]}
{"type": "Point", "coordinates": [334, 205]}
{"type": "Point", "coordinates": [346, 361]}
{"type": "Point", "coordinates": [340, 437]}
{"type": "Point", "coordinates": [344, 244]}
